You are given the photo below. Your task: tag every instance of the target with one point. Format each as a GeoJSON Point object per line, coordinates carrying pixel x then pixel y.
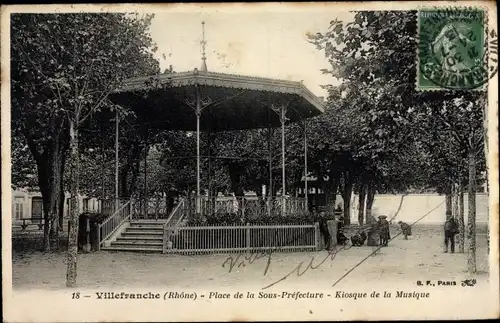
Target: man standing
{"type": "Point", "coordinates": [323, 227]}
{"type": "Point", "coordinates": [384, 230]}
{"type": "Point", "coordinates": [450, 230]}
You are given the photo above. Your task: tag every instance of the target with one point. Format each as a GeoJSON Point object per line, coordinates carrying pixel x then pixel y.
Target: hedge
{"type": "Point", "coordinates": [227, 219]}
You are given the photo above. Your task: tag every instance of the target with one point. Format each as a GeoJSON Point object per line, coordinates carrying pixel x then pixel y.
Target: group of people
{"type": "Point", "coordinates": [382, 226]}
{"type": "Point", "coordinates": [323, 227]}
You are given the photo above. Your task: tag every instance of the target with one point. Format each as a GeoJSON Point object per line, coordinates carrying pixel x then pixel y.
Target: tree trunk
{"type": "Point", "coordinates": [370, 198]}
{"type": "Point", "coordinates": [61, 191]}
{"type": "Point", "coordinates": [258, 192]}
{"type": "Point", "coordinates": [61, 206]}
{"type": "Point", "coordinates": [42, 166]}
{"type": "Point", "coordinates": [130, 167]}
{"type": "Point", "coordinates": [55, 195]}
{"type": "Point", "coordinates": [333, 192]}
{"type": "Point", "coordinates": [133, 180]}
{"type": "Point", "coordinates": [471, 221]}
{"type": "Point", "coordinates": [46, 227]}
{"type": "Point", "coordinates": [71, 268]}
{"type": "Point", "coordinates": [448, 201]}
{"type": "Point", "coordinates": [486, 150]}
{"type": "Point", "coordinates": [327, 192]}
{"type": "Point", "coordinates": [461, 226]}
{"type": "Point", "coordinates": [362, 197]}
{"type": "Point", "coordinates": [454, 200]}
{"type": "Point", "coordinates": [320, 183]}
{"type": "Point", "coordinates": [51, 186]}
{"type": "Point", "coordinates": [45, 164]}
{"type": "Point", "coordinates": [123, 181]}
{"type": "Point", "coordinates": [399, 207]}
{"type": "Point", "coordinates": [169, 201]}
{"type": "Point", "coordinates": [316, 195]}
{"type": "Point", "coordinates": [276, 186]}
{"type": "Point", "coordinates": [44, 189]}
{"type": "Point", "coordinates": [49, 176]}
{"type": "Point", "coordinates": [346, 196]}
{"type": "Point", "coordinates": [235, 176]}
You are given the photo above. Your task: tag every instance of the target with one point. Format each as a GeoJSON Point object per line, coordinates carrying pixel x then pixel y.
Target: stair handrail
{"type": "Point", "coordinates": [175, 210]}
{"type": "Point", "coordinates": [112, 216]}
{"type": "Point", "coordinates": [166, 227]}
{"type": "Point", "coordinates": [179, 221]}
{"type": "Point", "coordinates": [166, 238]}
{"type": "Point", "coordinates": [180, 218]}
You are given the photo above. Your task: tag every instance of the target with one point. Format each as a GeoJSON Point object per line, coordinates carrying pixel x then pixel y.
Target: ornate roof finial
{"type": "Point", "coordinates": [203, 44]}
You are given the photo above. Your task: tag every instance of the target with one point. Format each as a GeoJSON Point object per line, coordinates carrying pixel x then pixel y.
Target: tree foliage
{"type": "Point", "coordinates": [64, 66]}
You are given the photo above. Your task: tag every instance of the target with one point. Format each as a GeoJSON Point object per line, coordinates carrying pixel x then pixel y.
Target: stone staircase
{"type": "Point", "coordinates": [138, 236]}
{"type": "Point", "coordinates": [143, 235]}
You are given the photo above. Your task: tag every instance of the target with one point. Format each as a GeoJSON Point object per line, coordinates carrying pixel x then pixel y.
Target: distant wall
{"type": "Point", "coordinates": [22, 204]}
{"type": "Point", "coordinates": [416, 206]}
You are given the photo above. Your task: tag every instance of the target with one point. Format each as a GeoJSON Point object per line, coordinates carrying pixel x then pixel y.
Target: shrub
{"type": "Point", "coordinates": [225, 219]}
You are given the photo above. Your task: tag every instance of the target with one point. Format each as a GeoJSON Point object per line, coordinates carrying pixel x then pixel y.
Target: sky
{"type": "Point", "coordinates": [261, 43]}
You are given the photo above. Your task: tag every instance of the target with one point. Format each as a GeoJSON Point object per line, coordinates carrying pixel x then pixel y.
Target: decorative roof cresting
{"type": "Point", "coordinates": [203, 44]}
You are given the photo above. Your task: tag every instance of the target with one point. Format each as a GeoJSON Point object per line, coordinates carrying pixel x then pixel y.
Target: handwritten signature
{"type": "Point", "coordinates": [244, 260]}
{"type": "Point", "coordinates": [331, 254]}
{"type": "Point", "coordinates": [247, 259]}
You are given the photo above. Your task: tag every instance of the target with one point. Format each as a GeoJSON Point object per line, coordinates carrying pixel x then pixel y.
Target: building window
{"type": "Point", "coordinates": [19, 208]}
{"type": "Point", "coordinates": [86, 204]}
{"type": "Point", "coordinates": [36, 207]}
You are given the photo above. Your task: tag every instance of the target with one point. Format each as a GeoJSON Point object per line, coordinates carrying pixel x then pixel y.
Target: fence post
{"type": "Point", "coordinates": [317, 236]}
{"type": "Point", "coordinates": [248, 237]}
{"type": "Point", "coordinates": [243, 208]}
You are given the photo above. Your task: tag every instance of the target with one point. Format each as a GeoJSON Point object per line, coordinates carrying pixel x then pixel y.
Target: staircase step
{"type": "Point", "coordinates": [137, 243]}
{"type": "Point", "coordinates": [134, 249]}
{"type": "Point", "coordinates": [143, 238]}
{"type": "Point", "coordinates": [146, 226]}
{"type": "Point", "coordinates": [143, 231]}
{"type": "Point", "coordinates": [159, 221]}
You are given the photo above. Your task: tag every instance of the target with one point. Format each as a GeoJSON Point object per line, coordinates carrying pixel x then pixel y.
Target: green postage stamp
{"type": "Point", "coordinates": [451, 49]}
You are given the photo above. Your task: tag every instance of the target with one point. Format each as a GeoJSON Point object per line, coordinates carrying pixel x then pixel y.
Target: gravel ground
{"type": "Point", "coordinates": [403, 261]}
{"type": "Point", "coordinates": [39, 280]}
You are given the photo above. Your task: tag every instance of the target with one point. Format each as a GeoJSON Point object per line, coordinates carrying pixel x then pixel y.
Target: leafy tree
{"type": "Point", "coordinates": [64, 66]}
{"type": "Point", "coordinates": [377, 71]}
{"type": "Point", "coordinates": [24, 172]}
{"type": "Point", "coordinates": [373, 57]}
{"type": "Point", "coordinates": [460, 116]}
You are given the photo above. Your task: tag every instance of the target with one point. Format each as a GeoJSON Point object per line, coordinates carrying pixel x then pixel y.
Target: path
{"type": "Point", "coordinates": [421, 257]}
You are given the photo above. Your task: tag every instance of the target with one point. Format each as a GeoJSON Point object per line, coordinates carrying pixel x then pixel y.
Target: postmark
{"type": "Point", "coordinates": [452, 49]}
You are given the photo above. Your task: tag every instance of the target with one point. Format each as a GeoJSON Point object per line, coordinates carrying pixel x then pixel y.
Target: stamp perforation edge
{"type": "Point", "coordinates": [437, 88]}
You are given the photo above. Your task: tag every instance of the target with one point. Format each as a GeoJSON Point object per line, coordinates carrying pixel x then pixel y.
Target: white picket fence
{"type": "Point", "coordinates": [241, 238]}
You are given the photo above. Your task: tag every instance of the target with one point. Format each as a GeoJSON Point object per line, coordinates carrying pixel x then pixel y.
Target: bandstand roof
{"type": "Point", "coordinates": [235, 102]}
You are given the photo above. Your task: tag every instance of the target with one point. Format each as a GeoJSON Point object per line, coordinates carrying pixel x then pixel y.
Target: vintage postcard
{"type": "Point", "coordinates": [250, 162]}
